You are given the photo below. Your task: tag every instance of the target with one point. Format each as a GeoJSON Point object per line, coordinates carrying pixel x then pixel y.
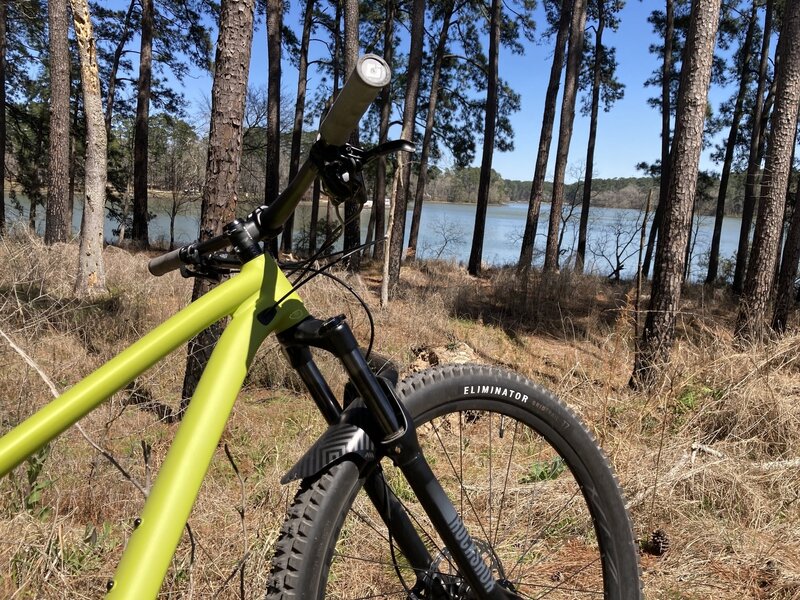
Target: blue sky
{"type": "Point", "coordinates": [628, 134]}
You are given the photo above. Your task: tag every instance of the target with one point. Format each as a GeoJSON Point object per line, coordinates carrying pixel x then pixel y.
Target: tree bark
{"type": "Point", "coordinates": [3, 44]}
{"type": "Point", "coordinates": [754, 302]}
{"type": "Point", "coordinates": [786, 294]}
{"type": "Point", "coordinates": [385, 102]}
{"type": "Point", "coordinates": [587, 179]}
{"type": "Point", "coordinates": [574, 54]}
{"type": "Point", "coordinates": [402, 173]}
{"type": "Point", "coordinates": [91, 273]}
{"type": "Point", "coordinates": [744, 83]}
{"type": "Point", "coordinates": [299, 113]}
{"type": "Point", "coordinates": [352, 210]}
{"type": "Point", "coordinates": [655, 345]}
{"type": "Point", "coordinates": [490, 125]}
{"type": "Point", "coordinates": [666, 105]}
{"type": "Point", "coordinates": [545, 139]}
{"type": "Point", "coordinates": [218, 207]}
{"type": "Point", "coordinates": [272, 183]}
{"type": "Point", "coordinates": [755, 157]}
{"type": "Point", "coordinates": [422, 178]}
{"type": "Point", "coordinates": [139, 230]}
{"type": "Point", "coordinates": [58, 223]}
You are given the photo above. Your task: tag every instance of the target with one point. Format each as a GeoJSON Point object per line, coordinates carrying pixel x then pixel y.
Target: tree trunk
{"type": "Point", "coordinates": [299, 113]}
{"type": "Point", "coordinates": [545, 138]}
{"type": "Point", "coordinates": [758, 283]}
{"type": "Point", "coordinates": [755, 157]}
{"type": "Point", "coordinates": [385, 102]}
{"type": "Point", "coordinates": [666, 78]}
{"type": "Point", "coordinates": [272, 183]}
{"type": "Point", "coordinates": [139, 231]}
{"type": "Point", "coordinates": [655, 345]}
{"type": "Point", "coordinates": [57, 225]}
{"type": "Point", "coordinates": [112, 78]}
{"type": "Point", "coordinates": [3, 43]}
{"type": "Point", "coordinates": [490, 124]}
{"type": "Point", "coordinates": [218, 207]}
{"type": "Point", "coordinates": [91, 274]}
{"type": "Point", "coordinates": [422, 178]}
{"type": "Point", "coordinates": [587, 180]}
{"type": "Point", "coordinates": [786, 293]}
{"type": "Point", "coordinates": [744, 82]}
{"type": "Point", "coordinates": [402, 173]}
{"type": "Point", "coordinates": [574, 54]}
{"type": "Point", "coordinates": [352, 210]}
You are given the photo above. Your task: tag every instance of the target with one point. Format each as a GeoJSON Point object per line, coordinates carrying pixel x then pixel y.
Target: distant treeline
{"type": "Point", "coordinates": [460, 185]}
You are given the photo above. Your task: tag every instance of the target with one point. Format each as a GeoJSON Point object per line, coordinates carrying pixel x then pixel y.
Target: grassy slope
{"type": "Point", "coordinates": [729, 503]}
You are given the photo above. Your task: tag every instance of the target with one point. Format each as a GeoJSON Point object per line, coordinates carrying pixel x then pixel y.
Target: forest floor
{"type": "Point", "coordinates": [711, 457]}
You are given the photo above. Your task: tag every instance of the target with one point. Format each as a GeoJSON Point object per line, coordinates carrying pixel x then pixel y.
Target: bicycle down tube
{"type": "Point", "coordinates": [249, 298]}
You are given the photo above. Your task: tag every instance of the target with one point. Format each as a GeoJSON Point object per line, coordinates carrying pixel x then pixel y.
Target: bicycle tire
{"type": "Point", "coordinates": [315, 538]}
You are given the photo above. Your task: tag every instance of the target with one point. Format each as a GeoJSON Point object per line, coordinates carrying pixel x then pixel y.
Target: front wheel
{"type": "Point", "coordinates": [535, 492]}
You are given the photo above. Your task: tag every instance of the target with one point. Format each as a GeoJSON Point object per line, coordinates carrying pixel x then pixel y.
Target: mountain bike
{"type": "Point", "coordinates": [458, 482]}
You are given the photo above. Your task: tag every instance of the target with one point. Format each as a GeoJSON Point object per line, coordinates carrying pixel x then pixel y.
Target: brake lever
{"type": "Point", "coordinates": [387, 148]}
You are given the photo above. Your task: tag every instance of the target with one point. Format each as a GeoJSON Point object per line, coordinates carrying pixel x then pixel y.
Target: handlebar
{"type": "Point", "coordinates": [371, 74]}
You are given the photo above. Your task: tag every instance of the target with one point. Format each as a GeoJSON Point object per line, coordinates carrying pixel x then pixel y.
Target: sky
{"type": "Point", "coordinates": [628, 134]}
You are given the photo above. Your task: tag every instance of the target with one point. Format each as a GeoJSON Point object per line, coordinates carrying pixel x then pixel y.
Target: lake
{"type": "Point", "coordinates": [445, 232]}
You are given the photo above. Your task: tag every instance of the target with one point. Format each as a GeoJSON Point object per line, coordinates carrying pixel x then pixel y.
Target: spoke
{"type": "Point", "coordinates": [461, 484]}
{"type": "Point", "coordinates": [571, 576]}
{"type": "Point", "coordinates": [489, 500]}
{"type": "Point", "coordinates": [505, 483]}
{"type": "Point", "coordinates": [539, 535]}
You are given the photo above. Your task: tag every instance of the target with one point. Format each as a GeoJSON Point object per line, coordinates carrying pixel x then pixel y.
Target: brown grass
{"type": "Point", "coordinates": [711, 456]}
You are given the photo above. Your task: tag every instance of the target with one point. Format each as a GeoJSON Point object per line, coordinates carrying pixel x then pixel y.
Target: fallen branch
{"type": "Point", "coordinates": [55, 392]}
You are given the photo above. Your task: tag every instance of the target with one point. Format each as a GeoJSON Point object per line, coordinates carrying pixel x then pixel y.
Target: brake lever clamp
{"type": "Point", "coordinates": [339, 169]}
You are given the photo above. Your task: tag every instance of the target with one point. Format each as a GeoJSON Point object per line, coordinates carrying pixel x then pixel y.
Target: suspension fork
{"type": "Point", "coordinates": [400, 443]}
{"type": "Point", "coordinates": [388, 506]}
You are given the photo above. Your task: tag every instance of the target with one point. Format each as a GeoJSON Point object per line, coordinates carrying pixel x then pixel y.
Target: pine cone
{"type": "Point", "coordinates": [659, 543]}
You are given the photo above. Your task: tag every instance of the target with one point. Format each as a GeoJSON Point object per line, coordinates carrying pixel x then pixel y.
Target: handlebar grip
{"type": "Point", "coordinates": [161, 265]}
{"type": "Point", "coordinates": [362, 87]}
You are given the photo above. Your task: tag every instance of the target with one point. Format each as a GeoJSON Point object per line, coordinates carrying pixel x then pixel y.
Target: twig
{"type": "Point", "coordinates": [54, 391]}
{"type": "Point", "coordinates": [240, 510]}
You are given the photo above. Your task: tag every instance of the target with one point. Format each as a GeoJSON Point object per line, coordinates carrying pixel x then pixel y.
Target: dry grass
{"type": "Point", "coordinates": [711, 457]}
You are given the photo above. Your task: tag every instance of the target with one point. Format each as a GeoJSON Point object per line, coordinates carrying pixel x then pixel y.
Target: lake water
{"type": "Point", "coordinates": [446, 232]}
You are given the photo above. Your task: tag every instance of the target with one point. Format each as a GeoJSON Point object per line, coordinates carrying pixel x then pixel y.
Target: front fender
{"type": "Point", "coordinates": [350, 438]}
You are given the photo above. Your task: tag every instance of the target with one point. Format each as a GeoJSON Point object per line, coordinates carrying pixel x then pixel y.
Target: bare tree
{"type": "Point", "coordinates": [91, 274]}
{"type": "Point", "coordinates": [754, 303]}
{"type": "Point", "coordinates": [655, 345]}
{"type": "Point", "coordinates": [58, 224]}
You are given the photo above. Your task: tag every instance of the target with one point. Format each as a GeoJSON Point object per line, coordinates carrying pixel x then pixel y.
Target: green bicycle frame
{"type": "Point", "coordinates": [260, 301]}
